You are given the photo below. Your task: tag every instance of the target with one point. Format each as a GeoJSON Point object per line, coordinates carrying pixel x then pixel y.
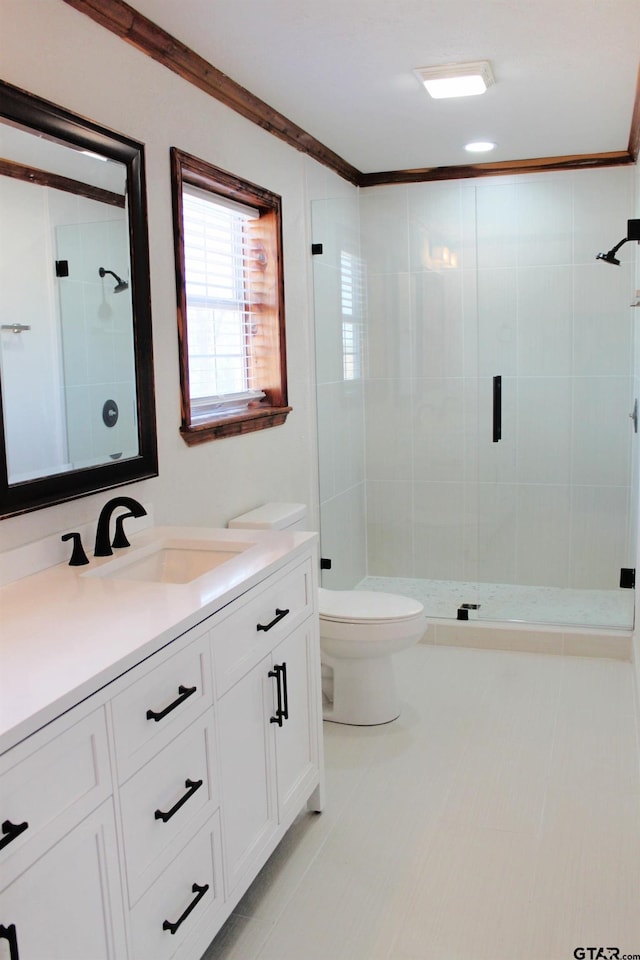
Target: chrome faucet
{"type": "Point", "coordinates": [103, 539]}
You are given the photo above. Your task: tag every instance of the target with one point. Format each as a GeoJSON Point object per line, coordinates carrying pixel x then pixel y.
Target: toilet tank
{"type": "Point", "coordinates": [272, 516]}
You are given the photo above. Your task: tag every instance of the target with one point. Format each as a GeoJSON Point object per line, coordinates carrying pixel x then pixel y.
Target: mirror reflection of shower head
{"type": "Point", "coordinates": [633, 233]}
{"type": "Point", "coordinates": [120, 285]}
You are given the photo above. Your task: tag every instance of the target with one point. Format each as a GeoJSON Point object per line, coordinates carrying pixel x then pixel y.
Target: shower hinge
{"type": "Point", "coordinates": [62, 268]}
{"type": "Point", "coordinates": [628, 578]}
{"type": "Point", "coordinates": [463, 610]}
{"type": "Point", "coordinates": [316, 248]}
{"type": "Point", "coordinates": [325, 563]}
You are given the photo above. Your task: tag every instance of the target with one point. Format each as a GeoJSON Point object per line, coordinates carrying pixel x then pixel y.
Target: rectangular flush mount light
{"type": "Point", "coordinates": [456, 79]}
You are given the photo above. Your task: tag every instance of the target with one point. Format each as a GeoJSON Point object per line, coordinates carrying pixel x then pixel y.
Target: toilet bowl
{"type": "Point", "coordinates": [359, 633]}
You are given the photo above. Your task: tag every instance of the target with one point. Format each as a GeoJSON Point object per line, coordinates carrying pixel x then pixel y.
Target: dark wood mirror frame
{"type": "Point", "coordinates": [47, 118]}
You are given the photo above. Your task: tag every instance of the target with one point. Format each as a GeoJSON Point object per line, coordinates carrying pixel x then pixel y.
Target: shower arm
{"type": "Point", "coordinates": [633, 233]}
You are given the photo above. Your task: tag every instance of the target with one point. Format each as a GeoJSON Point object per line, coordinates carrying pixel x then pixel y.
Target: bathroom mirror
{"type": "Point", "coordinates": [76, 364]}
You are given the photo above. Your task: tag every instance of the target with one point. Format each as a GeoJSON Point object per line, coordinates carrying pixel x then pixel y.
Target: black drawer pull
{"type": "Point", "coordinates": [184, 692]}
{"type": "Point", "coordinates": [192, 786]}
{"type": "Point", "coordinates": [200, 891]}
{"type": "Point", "coordinates": [9, 933]}
{"type": "Point", "coordinates": [278, 617]}
{"type": "Point", "coordinates": [11, 831]}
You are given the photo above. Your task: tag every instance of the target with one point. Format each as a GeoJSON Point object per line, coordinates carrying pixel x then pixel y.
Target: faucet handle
{"type": "Point", "coordinates": [120, 539]}
{"type": "Point", "coordinates": [78, 556]}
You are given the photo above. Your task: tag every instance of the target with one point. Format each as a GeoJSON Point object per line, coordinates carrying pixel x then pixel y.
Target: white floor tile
{"type": "Point", "coordinates": [498, 818]}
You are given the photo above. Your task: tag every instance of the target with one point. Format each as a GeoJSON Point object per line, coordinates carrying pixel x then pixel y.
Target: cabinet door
{"type": "Point", "coordinates": [67, 905]}
{"type": "Point", "coordinates": [246, 751]}
{"type": "Point", "coordinates": [297, 738]}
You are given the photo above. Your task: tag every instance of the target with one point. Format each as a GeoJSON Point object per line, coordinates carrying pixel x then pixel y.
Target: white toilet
{"type": "Point", "coordinates": [359, 632]}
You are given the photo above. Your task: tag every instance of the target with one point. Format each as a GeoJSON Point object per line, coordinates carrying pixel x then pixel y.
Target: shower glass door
{"type": "Point", "coordinates": [557, 451]}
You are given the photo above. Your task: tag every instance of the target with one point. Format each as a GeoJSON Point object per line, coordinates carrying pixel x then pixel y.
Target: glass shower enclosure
{"type": "Point", "coordinates": [476, 385]}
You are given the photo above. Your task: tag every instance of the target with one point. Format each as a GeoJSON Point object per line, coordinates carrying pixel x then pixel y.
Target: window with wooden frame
{"type": "Point", "coordinates": [230, 290]}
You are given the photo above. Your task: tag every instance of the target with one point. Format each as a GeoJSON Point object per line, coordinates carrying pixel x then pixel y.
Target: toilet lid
{"type": "Point", "coordinates": [366, 606]}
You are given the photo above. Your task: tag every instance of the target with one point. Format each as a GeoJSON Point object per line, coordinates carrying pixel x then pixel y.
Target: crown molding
{"type": "Point", "coordinates": [123, 20]}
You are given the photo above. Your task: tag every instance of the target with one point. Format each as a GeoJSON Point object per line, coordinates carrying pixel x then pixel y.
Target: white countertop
{"type": "Point", "coordinates": [65, 632]}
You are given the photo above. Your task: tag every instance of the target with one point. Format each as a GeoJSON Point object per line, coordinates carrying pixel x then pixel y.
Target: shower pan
{"type": "Point", "coordinates": [485, 461]}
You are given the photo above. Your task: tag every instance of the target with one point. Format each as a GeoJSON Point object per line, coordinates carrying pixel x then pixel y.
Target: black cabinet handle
{"type": "Point", "coordinates": [279, 672]}
{"type": "Point", "coordinates": [192, 786]}
{"type": "Point", "coordinates": [183, 692]}
{"type": "Point", "coordinates": [9, 933]}
{"type": "Point", "coordinates": [278, 617]}
{"type": "Point", "coordinates": [285, 692]}
{"type": "Point", "coordinates": [200, 892]}
{"type": "Point", "coordinates": [497, 409]}
{"type": "Point", "coordinates": [11, 831]}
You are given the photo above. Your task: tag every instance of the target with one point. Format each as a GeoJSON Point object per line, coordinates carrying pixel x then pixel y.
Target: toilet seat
{"type": "Point", "coordinates": [366, 607]}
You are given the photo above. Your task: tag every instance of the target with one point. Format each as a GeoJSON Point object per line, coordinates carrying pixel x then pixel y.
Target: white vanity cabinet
{"type": "Point", "coordinates": [60, 880]}
{"type": "Point", "coordinates": [132, 824]}
{"type": "Point", "coordinates": [265, 655]}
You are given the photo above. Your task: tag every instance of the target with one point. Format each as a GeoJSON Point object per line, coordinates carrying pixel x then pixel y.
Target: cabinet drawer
{"type": "Point", "coordinates": [178, 901]}
{"type": "Point", "coordinates": [65, 778]}
{"type": "Point", "coordinates": [160, 704]}
{"type": "Point", "coordinates": [166, 802]}
{"type": "Point", "coordinates": [249, 628]}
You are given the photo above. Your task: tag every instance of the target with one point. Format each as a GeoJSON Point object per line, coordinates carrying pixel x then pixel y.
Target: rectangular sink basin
{"type": "Point", "coordinates": [172, 561]}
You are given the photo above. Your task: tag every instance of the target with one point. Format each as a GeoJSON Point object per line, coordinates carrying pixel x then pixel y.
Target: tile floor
{"type": "Point", "coordinates": [510, 601]}
{"type": "Point", "coordinates": [497, 819]}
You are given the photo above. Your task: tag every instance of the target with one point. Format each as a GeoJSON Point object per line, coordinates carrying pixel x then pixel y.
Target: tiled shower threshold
{"type": "Point", "coordinates": [514, 617]}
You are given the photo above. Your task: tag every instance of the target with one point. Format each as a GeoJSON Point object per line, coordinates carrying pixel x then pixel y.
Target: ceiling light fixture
{"type": "Point", "coordinates": [480, 146]}
{"type": "Point", "coordinates": [456, 79]}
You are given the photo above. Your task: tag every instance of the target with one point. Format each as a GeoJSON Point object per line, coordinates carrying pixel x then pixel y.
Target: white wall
{"type": "Point", "coordinates": [57, 53]}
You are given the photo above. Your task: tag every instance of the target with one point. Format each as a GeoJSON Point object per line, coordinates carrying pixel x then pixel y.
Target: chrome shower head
{"type": "Point", "coordinates": [120, 285]}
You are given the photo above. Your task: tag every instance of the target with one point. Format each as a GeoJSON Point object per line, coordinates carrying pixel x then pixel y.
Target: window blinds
{"type": "Point", "coordinates": [218, 269]}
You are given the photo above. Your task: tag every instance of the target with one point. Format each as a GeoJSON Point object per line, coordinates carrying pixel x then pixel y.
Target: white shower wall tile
{"type": "Point", "coordinates": [389, 339]}
{"type": "Point", "coordinates": [385, 234]}
{"type": "Point", "coordinates": [543, 517]}
{"type": "Point", "coordinates": [496, 225]}
{"type": "Point", "coordinates": [390, 528]}
{"type": "Point", "coordinates": [599, 536]}
{"type": "Point", "coordinates": [438, 430]}
{"type": "Point", "coordinates": [544, 217]}
{"type": "Point", "coordinates": [388, 426]}
{"type": "Point", "coordinates": [543, 431]}
{"type": "Point", "coordinates": [438, 320]}
{"type": "Point", "coordinates": [435, 223]}
{"type": "Point", "coordinates": [545, 317]}
{"type": "Point", "coordinates": [443, 530]}
{"type": "Point", "coordinates": [497, 322]}
{"type": "Point", "coordinates": [603, 322]}
{"type": "Point", "coordinates": [601, 407]}
{"type": "Point", "coordinates": [497, 531]}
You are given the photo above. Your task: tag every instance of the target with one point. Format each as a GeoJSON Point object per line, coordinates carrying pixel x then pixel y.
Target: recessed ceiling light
{"type": "Point", "coordinates": [456, 79]}
{"type": "Point", "coordinates": [480, 146]}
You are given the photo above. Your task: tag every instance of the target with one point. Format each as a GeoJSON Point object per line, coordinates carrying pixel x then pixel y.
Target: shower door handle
{"type": "Point", "coordinates": [497, 409]}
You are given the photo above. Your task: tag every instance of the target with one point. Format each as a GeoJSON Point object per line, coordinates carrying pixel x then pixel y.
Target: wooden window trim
{"type": "Point", "coordinates": [267, 231]}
